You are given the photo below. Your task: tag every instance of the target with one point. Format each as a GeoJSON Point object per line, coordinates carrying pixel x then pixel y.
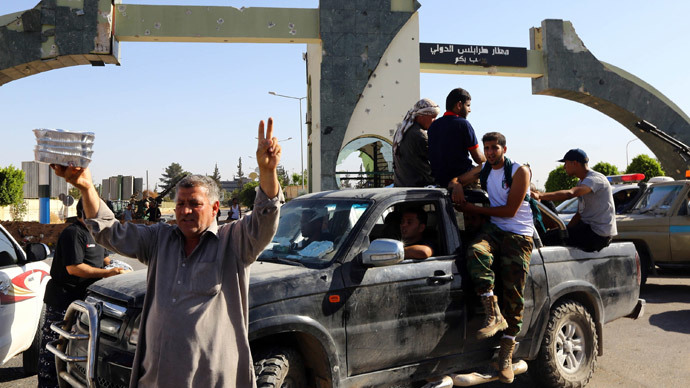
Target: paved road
{"type": "Point", "coordinates": [650, 352]}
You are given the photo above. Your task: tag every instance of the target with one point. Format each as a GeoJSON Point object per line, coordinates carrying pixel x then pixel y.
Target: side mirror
{"type": "Point", "coordinates": [383, 252]}
{"type": "Point", "coordinates": [36, 252]}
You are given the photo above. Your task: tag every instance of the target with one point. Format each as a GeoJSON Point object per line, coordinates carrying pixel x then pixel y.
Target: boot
{"type": "Point", "coordinates": [505, 360]}
{"type": "Point", "coordinates": [494, 321]}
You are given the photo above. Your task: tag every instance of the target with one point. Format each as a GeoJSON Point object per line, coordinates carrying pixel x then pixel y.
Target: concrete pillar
{"type": "Point", "coordinates": [44, 193]}
{"type": "Point", "coordinates": [354, 36]}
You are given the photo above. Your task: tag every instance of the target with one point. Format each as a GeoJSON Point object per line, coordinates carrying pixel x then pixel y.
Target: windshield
{"type": "Point", "coordinates": [311, 231]}
{"type": "Point", "coordinates": [657, 199]}
{"type": "Point", "coordinates": [568, 206]}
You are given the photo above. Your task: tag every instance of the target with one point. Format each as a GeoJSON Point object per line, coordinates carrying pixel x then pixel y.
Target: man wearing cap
{"type": "Point", "coordinates": [594, 224]}
{"type": "Point", "coordinates": [410, 146]}
{"type": "Point", "coordinates": [453, 144]}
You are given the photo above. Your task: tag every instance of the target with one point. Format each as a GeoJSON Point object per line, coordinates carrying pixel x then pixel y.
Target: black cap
{"type": "Point", "coordinates": [577, 155]}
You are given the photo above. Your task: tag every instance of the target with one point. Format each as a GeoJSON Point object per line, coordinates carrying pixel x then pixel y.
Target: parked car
{"type": "Point", "coordinates": [624, 195]}
{"type": "Point", "coordinates": [659, 226]}
{"type": "Point", "coordinates": [352, 312]}
{"type": "Point", "coordinates": [23, 279]}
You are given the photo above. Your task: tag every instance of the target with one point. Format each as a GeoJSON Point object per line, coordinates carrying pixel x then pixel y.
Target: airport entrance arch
{"type": "Point", "coordinates": [363, 63]}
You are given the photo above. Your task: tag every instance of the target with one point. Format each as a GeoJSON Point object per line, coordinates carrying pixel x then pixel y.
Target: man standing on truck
{"type": "Point", "coordinates": [78, 262]}
{"type": "Point", "coordinates": [506, 238]}
{"type": "Point", "coordinates": [411, 146]}
{"type": "Point", "coordinates": [594, 224]}
{"type": "Point", "coordinates": [196, 308]}
{"type": "Point", "coordinates": [452, 140]}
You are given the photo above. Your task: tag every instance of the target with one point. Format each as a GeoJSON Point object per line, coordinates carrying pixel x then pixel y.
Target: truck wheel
{"type": "Point", "coordinates": [30, 355]}
{"type": "Point", "coordinates": [280, 368]}
{"type": "Point", "coordinates": [568, 351]}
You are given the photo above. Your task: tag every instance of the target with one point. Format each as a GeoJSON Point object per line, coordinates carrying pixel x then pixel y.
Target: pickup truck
{"type": "Point", "coordinates": [659, 226]}
{"type": "Point", "coordinates": [353, 312]}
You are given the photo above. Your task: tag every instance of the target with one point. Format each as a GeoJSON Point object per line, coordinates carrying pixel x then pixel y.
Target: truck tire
{"type": "Point", "coordinates": [30, 355]}
{"type": "Point", "coordinates": [568, 353]}
{"type": "Point", "coordinates": [280, 367]}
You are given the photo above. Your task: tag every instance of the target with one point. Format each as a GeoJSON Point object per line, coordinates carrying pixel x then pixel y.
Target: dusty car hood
{"type": "Point", "coordinates": [130, 288]}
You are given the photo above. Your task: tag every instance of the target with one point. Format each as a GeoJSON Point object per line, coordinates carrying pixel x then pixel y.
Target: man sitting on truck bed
{"type": "Point", "coordinates": [508, 238]}
{"type": "Point", "coordinates": [195, 318]}
{"type": "Point", "coordinates": [594, 224]}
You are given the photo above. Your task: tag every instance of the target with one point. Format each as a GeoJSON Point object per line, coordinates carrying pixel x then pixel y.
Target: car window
{"type": "Point", "coordinates": [569, 206]}
{"type": "Point", "coordinates": [8, 255]}
{"type": "Point", "coordinates": [657, 198]}
{"type": "Point", "coordinates": [388, 224]}
{"type": "Point", "coordinates": [310, 232]}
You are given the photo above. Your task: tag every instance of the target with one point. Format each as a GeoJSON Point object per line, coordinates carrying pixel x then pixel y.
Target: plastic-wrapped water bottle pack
{"type": "Point", "coordinates": [64, 147]}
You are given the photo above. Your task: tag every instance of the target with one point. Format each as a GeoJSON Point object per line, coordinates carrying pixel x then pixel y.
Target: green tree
{"type": "Point", "coordinates": [11, 186]}
{"type": "Point", "coordinates": [248, 194]}
{"type": "Point", "coordinates": [559, 180]}
{"type": "Point", "coordinates": [216, 175]}
{"type": "Point", "coordinates": [283, 177]}
{"type": "Point", "coordinates": [606, 168]}
{"type": "Point", "coordinates": [18, 210]}
{"type": "Point", "coordinates": [74, 192]}
{"type": "Point", "coordinates": [240, 173]}
{"type": "Point", "coordinates": [297, 178]}
{"type": "Point", "coordinates": [170, 176]}
{"type": "Point", "coordinates": [646, 165]}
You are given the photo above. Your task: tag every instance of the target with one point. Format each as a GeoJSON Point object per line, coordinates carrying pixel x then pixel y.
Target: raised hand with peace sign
{"type": "Point", "coordinates": [268, 156]}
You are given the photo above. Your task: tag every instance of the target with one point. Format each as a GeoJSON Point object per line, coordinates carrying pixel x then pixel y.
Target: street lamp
{"type": "Point", "coordinates": [626, 152]}
{"type": "Point", "coordinates": [301, 137]}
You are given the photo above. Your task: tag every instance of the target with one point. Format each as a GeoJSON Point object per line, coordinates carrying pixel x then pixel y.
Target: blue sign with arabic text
{"type": "Point", "coordinates": [460, 54]}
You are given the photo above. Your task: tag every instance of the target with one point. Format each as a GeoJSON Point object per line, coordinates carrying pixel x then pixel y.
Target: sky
{"type": "Point", "coordinates": [198, 104]}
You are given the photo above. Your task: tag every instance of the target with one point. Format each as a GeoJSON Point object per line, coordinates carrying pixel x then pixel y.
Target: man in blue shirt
{"type": "Point", "coordinates": [452, 140]}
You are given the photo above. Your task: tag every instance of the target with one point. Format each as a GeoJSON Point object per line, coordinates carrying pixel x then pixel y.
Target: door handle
{"type": "Point", "coordinates": [440, 278]}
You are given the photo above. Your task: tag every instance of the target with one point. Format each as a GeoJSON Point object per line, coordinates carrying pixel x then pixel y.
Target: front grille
{"type": "Point", "coordinates": [104, 383]}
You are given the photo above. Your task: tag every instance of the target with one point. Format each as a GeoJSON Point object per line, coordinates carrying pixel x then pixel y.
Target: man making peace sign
{"type": "Point", "coordinates": [194, 323]}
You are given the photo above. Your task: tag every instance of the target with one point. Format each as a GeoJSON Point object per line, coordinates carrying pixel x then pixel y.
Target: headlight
{"type": "Point", "coordinates": [134, 334]}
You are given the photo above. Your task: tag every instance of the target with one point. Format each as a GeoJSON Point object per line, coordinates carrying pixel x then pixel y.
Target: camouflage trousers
{"type": "Point", "coordinates": [47, 375]}
{"type": "Point", "coordinates": [513, 253]}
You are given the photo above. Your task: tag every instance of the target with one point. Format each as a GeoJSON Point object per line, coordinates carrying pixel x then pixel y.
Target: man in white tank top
{"type": "Point", "coordinates": [508, 239]}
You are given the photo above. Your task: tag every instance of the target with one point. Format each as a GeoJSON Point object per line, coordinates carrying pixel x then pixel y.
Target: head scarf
{"type": "Point", "coordinates": [423, 107]}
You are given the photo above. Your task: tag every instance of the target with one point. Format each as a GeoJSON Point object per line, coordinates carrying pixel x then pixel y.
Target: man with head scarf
{"type": "Point", "coordinates": [410, 146]}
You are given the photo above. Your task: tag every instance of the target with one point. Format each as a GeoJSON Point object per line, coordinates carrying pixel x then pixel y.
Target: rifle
{"type": "Point", "coordinates": [172, 185]}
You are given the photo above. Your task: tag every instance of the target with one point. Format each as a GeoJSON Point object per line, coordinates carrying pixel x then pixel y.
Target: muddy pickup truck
{"type": "Point", "coordinates": [352, 312]}
{"type": "Point", "coordinates": [659, 226]}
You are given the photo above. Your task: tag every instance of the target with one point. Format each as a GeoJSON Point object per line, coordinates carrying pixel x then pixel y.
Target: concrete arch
{"type": "Point", "coordinates": [53, 35]}
{"type": "Point", "coordinates": [574, 73]}
{"type": "Point", "coordinates": [363, 63]}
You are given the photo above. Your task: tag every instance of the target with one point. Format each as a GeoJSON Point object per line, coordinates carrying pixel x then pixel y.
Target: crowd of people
{"type": "Point", "coordinates": [445, 152]}
{"type": "Point", "coordinates": [198, 270]}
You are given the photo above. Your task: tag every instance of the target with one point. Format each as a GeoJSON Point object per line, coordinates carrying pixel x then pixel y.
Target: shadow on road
{"type": "Point", "coordinates": [665, 293]}
{"type": "Point", "coordinates": [11, 374]}
{"type": "Point", "coordinates": [675, 321]}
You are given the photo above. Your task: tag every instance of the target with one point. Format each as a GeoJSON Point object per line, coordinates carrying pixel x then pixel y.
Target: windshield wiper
{"type": "Point", "coordinates": [281, 260]}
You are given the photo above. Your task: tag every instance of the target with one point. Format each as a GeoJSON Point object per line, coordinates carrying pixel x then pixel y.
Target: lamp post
{"type": "Point", "coordinates": [626, 152]}
{"type": "Point", "coordinates": [301, 137]}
